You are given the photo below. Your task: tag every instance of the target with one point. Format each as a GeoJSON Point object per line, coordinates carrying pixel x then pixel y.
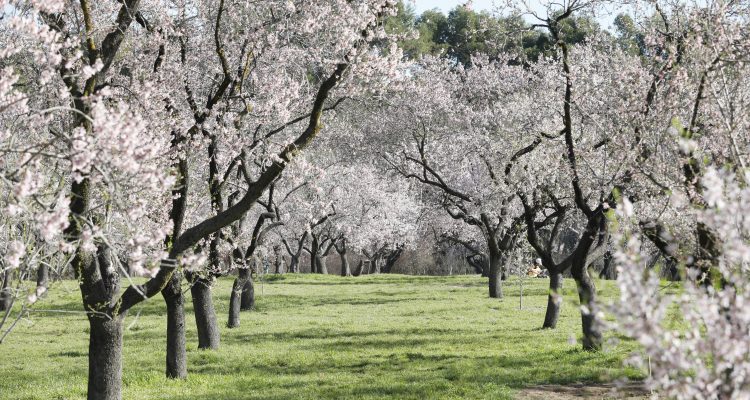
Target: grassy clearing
{"type": "Point", "coordinates": [328, 337]}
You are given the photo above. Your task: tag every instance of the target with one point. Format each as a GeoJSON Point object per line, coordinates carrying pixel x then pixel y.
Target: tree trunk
{"type": "Point", "coordinates": [234, 303]}
{"type": "Point", "coordinates": [205, 314]}
{"type": "Point", "coordinates": [176, 354]}
{"type": "Point", "coordinates": [673, 271]}
{"type": "Point", "coordinates": [105, 358]}
{"type": "Point", "coordinates": [554, 301]}
{"type": "Point", "coordinates": [609, 271]}
{"type": "Point", "coordinates": [42, 276]}
{"type": "Point", "coordinates": [360, 265]}
{"type": "Point", "coordinates": [391, 259]}
{"type": "Point", "coordinates": [495, 275]}
{"type": "Point", "coordinates": [314, 248]}
{"type": "Point", "coordinates": [592, 336]}
{"type": "Point", "coordinates": [247, 302]}
{"type": "Point", "coordinates": [294, 264]}
{"type": "Point", "coordinates": [486, 267]}
{"type": "Point", "coordinates": [279, 264]}
{"type": "Point", "coordinates": [6, 295]}
{"type": "Point", "coordinates": [374, 266]}
{"type": "Point", "coordinates": [321, 267]}
{"type": "Point", "coordinates": [313, 265]}
{"type": "Point", "coordinates": [479, 263]}
{"type": "Point", "coordinates": [345, 269]}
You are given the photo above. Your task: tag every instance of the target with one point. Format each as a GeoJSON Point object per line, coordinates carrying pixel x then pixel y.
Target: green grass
{"type": "Point", "coordinates": [328, 337]}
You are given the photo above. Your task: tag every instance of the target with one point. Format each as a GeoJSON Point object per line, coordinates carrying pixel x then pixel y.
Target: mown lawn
{"type": "Point", "coordinates": [328, 337]}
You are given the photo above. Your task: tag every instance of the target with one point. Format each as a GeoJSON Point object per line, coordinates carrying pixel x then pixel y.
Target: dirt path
{"type": "Point", "coordinates": [631, 391]}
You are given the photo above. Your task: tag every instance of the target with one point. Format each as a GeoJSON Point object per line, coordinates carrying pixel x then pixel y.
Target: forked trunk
{"type": "Point", "coordinates": [554, 300]}
{"type": "Point", "coordinates": [205, 314]}
{"type": "Point", "coordinates": [105, 358]}
{"type": "Point", "coordinates": [176, 354]}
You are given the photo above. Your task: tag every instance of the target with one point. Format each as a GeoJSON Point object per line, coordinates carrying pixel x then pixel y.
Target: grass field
{"type": "Point", "coordinates": [328, 337]}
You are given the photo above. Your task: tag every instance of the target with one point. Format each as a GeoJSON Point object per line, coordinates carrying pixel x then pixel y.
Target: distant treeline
{"type": "Point", "coordinates": [464, 32]}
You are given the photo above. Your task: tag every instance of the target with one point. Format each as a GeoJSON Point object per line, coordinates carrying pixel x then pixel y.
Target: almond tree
{"type": "Point", "coordinates": [625, 148]}
{"type": "Point", "coordinates": [703, 179]}
{"type": "Point", "coordinates": [468, 145]}
{"type": "Point", "coordinates": [706, 355]}
{"type": "Point", "coordinates": [110, 129]}
{"type": "Point", "coordinates": [376, 216]}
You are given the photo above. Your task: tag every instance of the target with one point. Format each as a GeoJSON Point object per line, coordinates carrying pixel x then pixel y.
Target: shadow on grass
{"type": "Point", "coordinates": [419, 376]}
{"type": "Point", "coordinates": [71, 354]}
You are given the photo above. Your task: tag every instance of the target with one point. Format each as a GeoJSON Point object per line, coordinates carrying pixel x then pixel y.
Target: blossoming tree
{"type": "Point", "coordinates": [118, 122]}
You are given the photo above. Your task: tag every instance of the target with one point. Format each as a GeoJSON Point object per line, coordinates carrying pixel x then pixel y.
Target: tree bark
{"type": "Point", "coordinates": [294, 264]}
{"type": "Point", "coordinates": [486, 267]}
{"type": "Point", "coordinates": [554, 301]}
{"type": "Point", "coordinates": [248, 296]}
{"type": "Point", "coordinates": [320, 262]}
{"type": "Point", "coordinates": [673, 271]}
{"type": "Point", "coordinates": [205, 314]}
{"type": "Point", "coordinates": [248, 291]}
{"type": "Point", "coordinates": [279, 263]}
{"type": "Point", "coordinates": [234, 303]}
{"type": "Point", "coordinates": [345, 268]}
{"type": "Point", "coordinates": [313, 265]}
{"type": "Point", "coordinates": [374, 265]}
{"type": "Point", "coordinates": [608, 267]}
{"type": "Point", "coordinates": [496, 270]}
{"type": "Point", "coordinates": [314, 246]}
{"type": "Point", "coordinates": [176, 352]}
{"type": "Point", "coordinates": [6, 296]}
{"type": "Point", "coordinates": [42, 276]}
{"type": "Point", "coordinates": [358, 270]}
{"type": "Point", "coordinates": [392, 258]}
{"type": "Point", "coordinates": [592, 336]}
{"type": "Point", "coordinates": [105, 358]}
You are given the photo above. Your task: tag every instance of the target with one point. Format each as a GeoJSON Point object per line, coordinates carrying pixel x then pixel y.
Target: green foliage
{"type": "Point", "coordinates": [463, 33]}
{"type": "Point", "coordinates": [629, 37]}
{"type": "Point", "coordinates": [328, 337]}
